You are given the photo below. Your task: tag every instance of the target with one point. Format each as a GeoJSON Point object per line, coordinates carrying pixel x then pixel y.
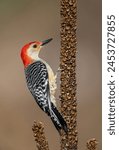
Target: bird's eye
{"type": "Point", "coordinates": [35, 46]}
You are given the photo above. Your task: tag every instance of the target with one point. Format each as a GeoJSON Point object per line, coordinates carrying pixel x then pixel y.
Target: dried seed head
{"type": "Point", "coordinates": [38, 131]}
{"type": "Point", "coordinates": [68, 75]}
{"type": "Point", "coordinates": [92, 144]}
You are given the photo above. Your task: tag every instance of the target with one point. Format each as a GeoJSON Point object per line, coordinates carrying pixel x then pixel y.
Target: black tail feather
{"type": "Point", "coordinates": [60, 123]}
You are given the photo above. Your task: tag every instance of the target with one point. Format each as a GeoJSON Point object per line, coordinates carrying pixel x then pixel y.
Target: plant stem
{"type": "Point", "coordinates": [68, 14]}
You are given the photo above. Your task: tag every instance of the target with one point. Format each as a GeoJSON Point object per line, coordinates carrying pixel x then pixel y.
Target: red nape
{"type": "Point", "coordinates": [25, 58]}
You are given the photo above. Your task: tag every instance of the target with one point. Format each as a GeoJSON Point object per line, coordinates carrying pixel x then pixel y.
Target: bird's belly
{"type": "Point", "coordinates": [53, 87]}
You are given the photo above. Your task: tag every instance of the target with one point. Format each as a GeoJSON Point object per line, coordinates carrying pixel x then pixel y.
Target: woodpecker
{"type": "Point", "coordinates": [41, 82]}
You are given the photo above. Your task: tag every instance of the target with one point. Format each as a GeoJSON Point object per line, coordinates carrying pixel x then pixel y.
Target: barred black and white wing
{"type": "Point", "coordinates": [38, 84]}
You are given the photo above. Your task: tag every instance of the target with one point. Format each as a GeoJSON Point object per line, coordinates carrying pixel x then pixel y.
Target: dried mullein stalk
{"type": "Point", "coordinates": [68, 14]}
{"type": "Point", "coordinates": [92, 144]}
{"type": "Point", "coordinates": [38, 130]}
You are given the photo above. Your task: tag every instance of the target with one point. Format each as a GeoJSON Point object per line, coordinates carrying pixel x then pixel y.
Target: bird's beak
{"type": "Point", "coordinates": [46, 41]}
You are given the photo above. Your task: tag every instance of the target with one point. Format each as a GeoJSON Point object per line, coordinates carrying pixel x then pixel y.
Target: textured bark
{"type": "Point", "coordinates": [38, 130]}
{"type": "Point", "coordinates": [68, 16]}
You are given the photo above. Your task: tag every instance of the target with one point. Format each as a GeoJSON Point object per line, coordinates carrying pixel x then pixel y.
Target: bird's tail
{"type": "Point", "coordinates": [58, 120]}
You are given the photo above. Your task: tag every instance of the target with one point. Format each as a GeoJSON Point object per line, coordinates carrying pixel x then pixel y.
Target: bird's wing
{"type": "Point", "coordinates": [38, 84]}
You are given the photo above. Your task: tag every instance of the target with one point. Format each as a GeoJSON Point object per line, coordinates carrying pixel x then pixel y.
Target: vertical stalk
{"type": "Point", "coordinates": [68, 14]}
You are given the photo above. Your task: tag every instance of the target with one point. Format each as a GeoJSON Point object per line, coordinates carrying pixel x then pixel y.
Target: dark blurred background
{"type": "Point", "coordinates": [22, 21]}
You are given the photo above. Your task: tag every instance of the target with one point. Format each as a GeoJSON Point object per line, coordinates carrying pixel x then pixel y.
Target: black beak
{"type": "Point", "coordinates": [46, 41]}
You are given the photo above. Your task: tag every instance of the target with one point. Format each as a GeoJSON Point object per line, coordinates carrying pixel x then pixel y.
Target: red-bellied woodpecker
{"type": "Point", "coordinates": [41, 82]}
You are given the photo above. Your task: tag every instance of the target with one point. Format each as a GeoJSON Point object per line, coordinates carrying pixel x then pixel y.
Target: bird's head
{"type": "Point", "coordinates": [30, 52]}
